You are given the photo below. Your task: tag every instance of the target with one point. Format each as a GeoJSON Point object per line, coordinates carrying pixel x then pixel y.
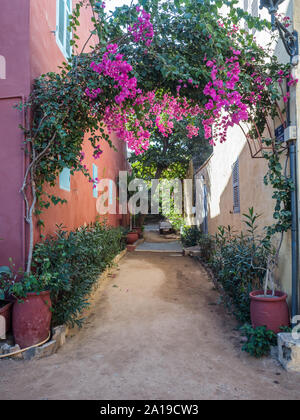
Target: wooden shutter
{"type": "Point", "coordinates": [61, 22]}
{"type": "Point", "coordinates": [65, 179]}
{"type": "Point", "coordinates": [68, 33]}
{"type": "Point", "coordinates": [63, 36]}
{"type": "Point", "coordinates": [246, 9]}
{"type": "Point", "coordinates": [68, 38]}
{"type": "Point", "coordinates": [254, 8]}
{"type": "Point", "coordinates": [111, 186]}
{"type": "Point", "coordinates": [254, 12]}
{"type": "Point", "coordinates": [95, 175]}
{"type": "Point", "coordinates": [236, 187]}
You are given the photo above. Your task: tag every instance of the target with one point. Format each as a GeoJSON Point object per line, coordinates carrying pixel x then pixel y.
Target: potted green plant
{"type": "Point", "coordinates": [133, 234]}
{"type": "Point", "coordinates": [269, 307]}
{"type": "Point", "coordinates": [138, 224]}
{"type": "Point", "coordinates": [5, 304]}
{"type": "Point", "coordinates": [138, 230]}
{"type": "Point", "coordinates": [31, 314]}
{"type": "Point", "coordinates": [132, 237]}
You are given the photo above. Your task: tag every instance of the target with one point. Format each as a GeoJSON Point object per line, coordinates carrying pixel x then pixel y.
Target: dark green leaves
{"type": "Point", "coordinates": [238, 261]}
{"type": "Point", "coordinates": [74, 262]}
{"type": "Point", "coordinates": [282, 186]}
{"type": "Point", "coordinates": [259, 340]}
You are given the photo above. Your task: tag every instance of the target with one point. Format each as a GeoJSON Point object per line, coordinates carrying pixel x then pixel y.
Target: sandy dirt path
{"type": "Point", "coordinates": [160, 334]}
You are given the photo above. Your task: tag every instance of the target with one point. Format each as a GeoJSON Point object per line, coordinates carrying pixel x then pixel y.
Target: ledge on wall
{"type": "Point", "coordinates": [289, 352]}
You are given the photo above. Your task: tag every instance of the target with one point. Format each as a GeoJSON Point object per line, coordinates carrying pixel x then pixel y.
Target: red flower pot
{"type": "Point", "coordinates": [272, 312]}
{"type": "Point", "coordinates": [5, 311]}
{"type": "Point", "coordinates": [132, 237]}
{"type": "Point", "coordinates": [31, 319]}
{"type": "Point", "coordinates": [138, 230]}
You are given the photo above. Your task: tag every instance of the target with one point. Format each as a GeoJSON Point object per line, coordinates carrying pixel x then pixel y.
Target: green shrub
{"type": "Point", "coordinates": [207, 246]}
{"type": "Point", "coordinates": [176, 220]}
{"type": "Point", "coordinates": [75, 260]}
{"type": "Point", "coordinates": [259, 340]}
{"type": "Point", "coordinates": [190, 235]}
{"type": "Point", "coordinates": [238, 262]}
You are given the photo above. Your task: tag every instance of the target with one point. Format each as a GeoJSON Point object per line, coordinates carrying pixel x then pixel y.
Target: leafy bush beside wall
{"type": "Point", "coordinates": [190, 235]}
{"type": "Point", "coordinates": [75, 260]}
{"type": "Point", "coordinates": [238, 261]}
{"type": "Point", "coordinates": [259, 340]}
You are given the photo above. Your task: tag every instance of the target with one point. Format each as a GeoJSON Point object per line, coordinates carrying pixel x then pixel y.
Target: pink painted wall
{"type": "Point", "coordinates": [14, 46]}
{"type": "Point", "coordinates": [30, 50]}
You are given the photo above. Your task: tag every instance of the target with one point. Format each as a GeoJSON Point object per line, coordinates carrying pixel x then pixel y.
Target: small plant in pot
{"type": "Point", "coordinates": [5, 303]}
{"type": "Point", "coordinates": [137, 222]}
{"type": "Point", "coordinates": [31, 314]}
{"type": "Point", "coordinates": [132, 237]}
{"type": "Point", "coordinates": [135, 232]}
{"type": "Point", "coordinates": [269, 306]}
{"type": "Point", "coordinates": [138, 230]}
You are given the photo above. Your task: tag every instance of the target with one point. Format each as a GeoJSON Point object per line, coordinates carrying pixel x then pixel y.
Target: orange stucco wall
{"type": "Point", "coordinates": [28, 48]}
{"type": "Point", "coordinates": [81, 206]}
{"type": "Point", "coordinates": [45, 55]}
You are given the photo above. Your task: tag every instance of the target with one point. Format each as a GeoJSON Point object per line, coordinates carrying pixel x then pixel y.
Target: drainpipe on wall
{"type": "Point", "coordinates": [292, 140]}
{"type": "Point", "coordinates": [290, 41]}
{"type": "Point", "coordinates": [295, 248]}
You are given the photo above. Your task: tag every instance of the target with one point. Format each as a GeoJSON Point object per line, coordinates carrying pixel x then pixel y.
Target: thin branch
{"type": "Point", "coordinates": [32, 207]}
{"type": "Point", "coordinates": [29, 210]}
{"type": "Point", "coordinates": [86, 42]}
{"type": "Point", "coordinates": [32, 162]}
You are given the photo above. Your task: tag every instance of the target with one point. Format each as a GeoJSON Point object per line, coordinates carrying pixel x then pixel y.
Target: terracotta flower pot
{"type": "Point", "coordinates": [5, 311]}
{"type": "Point", "coordinates": [132, 237]}
{"type": "Point", "coordinates": [31, 319]}
{"type": "Point", "coordinates": [272, 312]}
{"type": "Point", "coordinates": [138, 230]}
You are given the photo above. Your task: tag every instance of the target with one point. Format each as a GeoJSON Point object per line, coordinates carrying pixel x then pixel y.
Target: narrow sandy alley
{"type": "Point", "coordinates": [157, 332]}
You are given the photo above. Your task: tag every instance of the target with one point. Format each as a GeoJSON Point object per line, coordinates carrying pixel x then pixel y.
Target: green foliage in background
{"type": "Point", "coordinates": [239, 262]}
{"type": "Point", "coordinates": [75, 260]}
{"type": "Point", "coordinates": [169, 157]}
{"type": "Point", "coordinates": [190, 236]}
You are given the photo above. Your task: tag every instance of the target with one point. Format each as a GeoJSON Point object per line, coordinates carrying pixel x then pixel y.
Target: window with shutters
{"type": "Point", "coordinates": [63, 35]}
{"type": "Point", "coordinates": [254, 8]}
{"type": "Point", "coordinates": [246, 8]}
{"type": "Point", "coordinates": [251, 6]}
{"type": "Point", "coordinates": [254, 12]}
{"type": "Point", "coordinates": [2, 67]}
{"type": "Point", "coordinates": [236, 187]}
{"type": "Point", "coordinates": [95, 175]}
{"type": "Point", "coordinates": [111, 192]}
{"type": "Point", "coordinates": [65, 179]}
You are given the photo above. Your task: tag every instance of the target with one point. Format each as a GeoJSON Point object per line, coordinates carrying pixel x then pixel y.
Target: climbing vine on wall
{"type": "Point", "coordinates": [282, 186]}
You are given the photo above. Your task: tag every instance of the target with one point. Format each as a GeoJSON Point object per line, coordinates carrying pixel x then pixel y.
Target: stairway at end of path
{"type": "Point", "coordinates": [157, 242]}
